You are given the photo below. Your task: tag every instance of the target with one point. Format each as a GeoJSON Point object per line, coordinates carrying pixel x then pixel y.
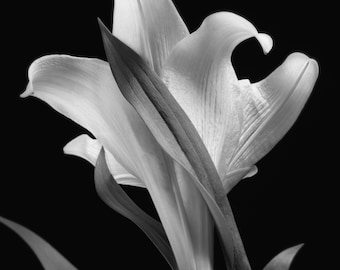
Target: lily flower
{"type": "Point", "coordinates": [238, 121]}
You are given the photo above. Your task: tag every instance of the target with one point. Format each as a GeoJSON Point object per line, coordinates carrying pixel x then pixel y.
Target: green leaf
{"type": "Point", "coordinates": [176, 134]}
{"type": "Point", "coordinates": [116, 198]}
{"type": "Point", "coordinates": [50, 258]}
{"type": "Point", "coordinates": [283, 260]}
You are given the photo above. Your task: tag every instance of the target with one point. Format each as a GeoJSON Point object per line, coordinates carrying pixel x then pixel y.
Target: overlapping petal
{"type": "Point", "coordinates": [200, 75]}
{"type": "Point", "coordinates": [237, 120]}
{"type": "Point", "coordinates": [87, 148]}
{"type": "Point", "coordinates": [271, 106]}
{"type": "Point", "coordinates": [84, 90]}
{"type": "Point", "coordinates": [151, 28]}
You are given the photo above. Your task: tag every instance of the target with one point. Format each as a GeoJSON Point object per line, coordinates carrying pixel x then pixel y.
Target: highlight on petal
{"type": "Point", "coordinates": [232, 178]}
{"type": "Point", "coordinates": [49, 257]}
{"type": "Point", "coordinates": [253, 170]}
{"type": "Point", "coordinates": [116, 198]}
{"type": "Point", "coordinates": [87, 148]}
{"type": "Point", "coordinates": [283, 260]}
{"type": "Point", "coordinates": [85, 91]}
{"type": "Point", "coordinates": [239, 122]}
{"type": "Point", "coordinates": [200, 222]}
{"type": "Point", "coordinates": [272, 106]}
{"type": "Point", "coordinates": [200, 75]}
{"type": "Point", "coordinates": [266, 42]}
{"type": "Point", "coordinates": [151, 28]}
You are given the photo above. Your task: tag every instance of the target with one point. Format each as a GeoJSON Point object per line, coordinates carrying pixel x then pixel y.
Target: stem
{"type": "Point", "coordinates": [240, 258]}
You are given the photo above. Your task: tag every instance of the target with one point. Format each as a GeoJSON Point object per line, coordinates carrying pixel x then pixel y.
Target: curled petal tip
{"type": "Point", "coordinates": [309, 67]}
{"type": "Point", "coordinates": [266, 42]}
{"type": "Point", "coordinates": [298, 73]}
{"type": "Point", "coordinates": [71, 147]}
{"type": "Point", "coordinates": [301, 57]}
{"type": "Point", "coordinates": [28, 91]}
{"type": "Point", "coordinates": [286, 91]}
{"type": "Point", "coordinates": [252, 171]}
{"type": "Point", "coordinates": [235, 22]}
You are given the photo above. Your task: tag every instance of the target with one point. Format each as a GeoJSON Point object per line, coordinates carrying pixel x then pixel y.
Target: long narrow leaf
{"type": "Point", "coordinates": [283, 260]}
{"type": "Point", "coordinates": [176, 134]}
{"type": "Point", "coordinates": [116, 198]}
{"type": "Point", "coordinates": [49, 257]}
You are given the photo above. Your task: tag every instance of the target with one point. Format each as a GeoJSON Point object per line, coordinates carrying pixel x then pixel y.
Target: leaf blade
{"type": "Point", "coordinates": [283, 260]}
{"type": "Point", "coordinates": [178, 137]}
{"type": "Point", "coordinates": [48, 256]}
{"type": "Point", "coordinates": [116, 198]}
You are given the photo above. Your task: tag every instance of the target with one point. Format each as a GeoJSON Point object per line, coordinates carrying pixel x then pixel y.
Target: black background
{"type": "Point", "coordinates": [290, 200]}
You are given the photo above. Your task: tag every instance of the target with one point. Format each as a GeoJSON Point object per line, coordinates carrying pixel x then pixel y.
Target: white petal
{"type": "Point", "coordinates": [84, 90]}
{"type": "Point", "coordinates": [87, 148]}
{"type": "Point", "coordinates": [266, 42]}
{"type": "Point", "coordinates": [199, 220]}
{"type": "Point", "coordinates": [151, 28]}
{"type": "Point", "coordinates": [272, 105]}
{"type": "Point", "coordinates": [253, 170]}
{"type": "Point", "coordinates": [200, 75]}
{"type": "Point", "coordinates": [233, 177]}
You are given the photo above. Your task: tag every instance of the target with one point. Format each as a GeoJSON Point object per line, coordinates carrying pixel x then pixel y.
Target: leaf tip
{"type": "Point", "coordinates": [284, 259]}
{"type": "Point", "coordinates": [106, 34]}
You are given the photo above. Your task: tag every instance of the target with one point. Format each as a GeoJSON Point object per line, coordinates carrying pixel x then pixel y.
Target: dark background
{"type": "Point", "coordinates": [291, 200]}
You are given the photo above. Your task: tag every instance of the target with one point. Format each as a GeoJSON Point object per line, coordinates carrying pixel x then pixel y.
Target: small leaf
{"type": "Point", "coordinates": [283, 260]}
{"type": "Point", "coordinates": [50, 258]}
{"type": "Point", "coordinates": [176, 134]}
{"type": "Point", "coordinates": [116, 198]}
